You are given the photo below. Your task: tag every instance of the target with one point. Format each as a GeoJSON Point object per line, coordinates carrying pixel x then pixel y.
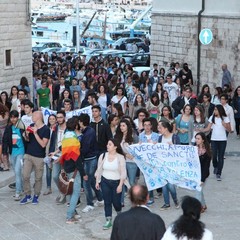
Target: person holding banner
{"type": "Point", "coordinates": [148, 136]}
{"type": "Point", "coordinates": [66, 94]}
{"type": "Point", "coordinates": [124, 135]}
{"type": "Point", "coordinates": [166, 116]}
{"type": "Point", "coordinates": [204, 153]}
{"type": "Point", "coordinates": [165, 128]}
{"type": "Point", "coordinates": [184, 123]}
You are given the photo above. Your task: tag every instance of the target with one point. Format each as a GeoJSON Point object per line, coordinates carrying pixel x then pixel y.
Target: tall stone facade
{"type": "Point", "coordinates": [174, 37]}
{"type": "Point", "coordinates": [15, 43]}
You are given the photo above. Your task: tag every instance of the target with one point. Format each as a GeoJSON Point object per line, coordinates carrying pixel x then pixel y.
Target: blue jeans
{"type": "Point", "coordinates": [16, 162]}
{"type": "Point", "coordinates": [131, 173]}
{"type": "Point", "coordinates": [90, 168]}
{"type": "Point", "coordinates": [48, 176]}
{"type": "Point", "coordinates": [104, 113]}
{"type": "Point", "coordinates": [169, 188]}
{"type": "Point", "coordinates": [56, 169]}
{"type": "Point", "coordinates": [200, 197]}
{"type": "Point", "coordinates": [75, 195]}
{"type": "Point", "coordinates": [218, 151]}
{"type": "Point", "coordinates": [110, 196]}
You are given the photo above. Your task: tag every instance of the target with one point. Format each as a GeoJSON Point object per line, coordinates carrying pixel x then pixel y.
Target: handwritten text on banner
{"type": "Point", "coordinates": [162, 163]}
{"type": "Point", "coordinates": [47, 112]}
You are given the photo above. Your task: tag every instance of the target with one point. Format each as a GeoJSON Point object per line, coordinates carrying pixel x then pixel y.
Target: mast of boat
{"type": "Point", "coordinates": [105, 27]}
{"type": "Point", "coordinates": [142, 15]}
{"type": "Point", "coordinates": [86, 28]}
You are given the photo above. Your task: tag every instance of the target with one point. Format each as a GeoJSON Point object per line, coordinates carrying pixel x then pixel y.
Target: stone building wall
{"type": "Point", "coordinates": [15, 38]}
{"type": "Point", "coordinates": [174, 37]}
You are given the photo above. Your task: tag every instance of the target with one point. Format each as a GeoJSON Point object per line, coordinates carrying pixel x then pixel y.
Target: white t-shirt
{"type": "Point", "coordinates": [148, 136]}
{"type": "Point", "coordinates": [60, 134]}
{"type": "Point", "coordinates": [27, 120]}
{"type": "Point", "coordinates": [102, 100]}
{"type": "Point", "coordinates": [168, 235]}
{"type": "Point", "coordinates": [111, 169]}
{"type": "Point", "coordinates": [172, 90]}
{"type": "Point", "coordinates": [218, 130]}
{"type": "Point", "coordinates": [116, 100]}
{"type": "Point", "coordinates": [167, 140]}
{"type": "Point", "coordinates": [61, 89]}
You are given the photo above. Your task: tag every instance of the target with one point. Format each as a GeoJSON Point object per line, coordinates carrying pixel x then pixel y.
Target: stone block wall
{"type": "Point", "coordinates": [174, 37]}
{"type": "Point", "coordinates": [15, 35]}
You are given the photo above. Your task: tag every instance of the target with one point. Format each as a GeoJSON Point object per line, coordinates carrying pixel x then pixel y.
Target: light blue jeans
{"type": "Point", "coordinates": [200, 196]}
{"type": "Point", "coordinates": [16, 162]}
{"type": "Point", "coordinates": [169, 188]}
{"type": "Point", "coordinates": [89, 185]}
{"type": "Point", "coordinates": [104, 113]}
{"type": "Point", "coordinates": [56, 169]}
{"type": "Point", "coordinates": [75, 195]}
{"type": "Point", "coordinates": [131, 173]}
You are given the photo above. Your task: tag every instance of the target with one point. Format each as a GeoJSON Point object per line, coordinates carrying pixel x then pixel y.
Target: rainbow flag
{"type": "Point", "coordinates": [70, 147]}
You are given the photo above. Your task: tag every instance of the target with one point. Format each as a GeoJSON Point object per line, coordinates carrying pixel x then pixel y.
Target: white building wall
{"type": "Point", "coordinates": [15, 35]}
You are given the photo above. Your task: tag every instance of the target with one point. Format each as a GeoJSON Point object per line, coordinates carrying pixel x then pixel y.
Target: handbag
{"type": "Point", "coordinates": [65, 184]}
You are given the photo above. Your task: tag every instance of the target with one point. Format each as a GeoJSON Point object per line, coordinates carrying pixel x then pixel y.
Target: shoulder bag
{"type": "Point", "coordinates": [65, 184]}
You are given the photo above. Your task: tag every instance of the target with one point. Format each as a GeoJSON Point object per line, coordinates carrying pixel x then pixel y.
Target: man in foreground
{"type": "Point", "coordinates": [138, 222]}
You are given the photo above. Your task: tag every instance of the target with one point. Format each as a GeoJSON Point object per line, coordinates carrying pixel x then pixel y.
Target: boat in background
{"type": "Point", "coordinates": [39, 16]}
{"type": "Point", "coordinates": [107, 24]}
{"type": "Point", "coordinates": [42, 34]}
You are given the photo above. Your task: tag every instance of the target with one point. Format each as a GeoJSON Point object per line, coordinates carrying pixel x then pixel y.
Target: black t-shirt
{"type": "Point", "coordinates": [33, 147]}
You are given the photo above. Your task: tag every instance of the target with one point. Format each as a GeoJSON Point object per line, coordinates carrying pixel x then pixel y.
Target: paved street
{"type": "Point", "coordinates": [47, 220]}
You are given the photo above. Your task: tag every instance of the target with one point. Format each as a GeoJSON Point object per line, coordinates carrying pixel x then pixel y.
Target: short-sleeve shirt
{"type": "Point", "coordinates": [27, 120]}
{"type": "Point", "coordinates": [116, 100]}
{"type": "Point", "coordinates": [17, 142]}
{"type": "Point", "coordinates": [218, 130]}
{"type": "Point", "coordinates": [44, 97]}
{"type": "Point", "coordinates": [33, 147]}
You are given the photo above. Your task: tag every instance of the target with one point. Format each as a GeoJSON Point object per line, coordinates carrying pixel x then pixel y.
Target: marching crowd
{"type": "Point", "coordinates": [127, 108]}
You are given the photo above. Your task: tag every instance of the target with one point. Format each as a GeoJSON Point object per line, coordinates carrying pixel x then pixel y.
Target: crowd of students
{"type": "Point", "coordinates": [158, 106]}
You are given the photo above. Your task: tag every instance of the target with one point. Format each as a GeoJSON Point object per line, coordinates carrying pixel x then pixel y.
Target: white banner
{"type": "Point", "coordinates": [162, 163]}
{"type": "Point", "coordinates": [46, 112]}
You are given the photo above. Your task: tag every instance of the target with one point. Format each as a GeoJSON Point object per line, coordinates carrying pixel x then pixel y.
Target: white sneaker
{"type": "Point", "coordinates": [17, 197]}
{"type": "Point", "coordinates": [99, 203]}
{"type": "Point", "coordinates": [88, 208]}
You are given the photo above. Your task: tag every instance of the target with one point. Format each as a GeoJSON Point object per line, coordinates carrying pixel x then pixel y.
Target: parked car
{"type": "Point", "coordinates": [39, 47]}
{"type": "Point", "coordinates": [139, 70]}
{"type": "Point", "coordinates": [137, 59]}
{"type": "Point", "coordinates": [137, 40]}
{"type": "Point", "coordinates": [67, 49]}
{"type": "Point", "coordinates": [49, 51]}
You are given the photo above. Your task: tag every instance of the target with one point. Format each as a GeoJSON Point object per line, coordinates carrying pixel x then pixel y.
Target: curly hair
{"type": "Point", "coordinates": [119, 133]}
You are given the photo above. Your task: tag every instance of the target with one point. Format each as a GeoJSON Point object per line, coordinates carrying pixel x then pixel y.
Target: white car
{"type": "Point", "coordinates": [139, 70]}
{"type": "Point", "coordinates": [49, 51]}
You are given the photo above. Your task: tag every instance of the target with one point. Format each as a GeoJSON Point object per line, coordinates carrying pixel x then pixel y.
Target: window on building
{"type": "Point", "coordinates": [8, 58]}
